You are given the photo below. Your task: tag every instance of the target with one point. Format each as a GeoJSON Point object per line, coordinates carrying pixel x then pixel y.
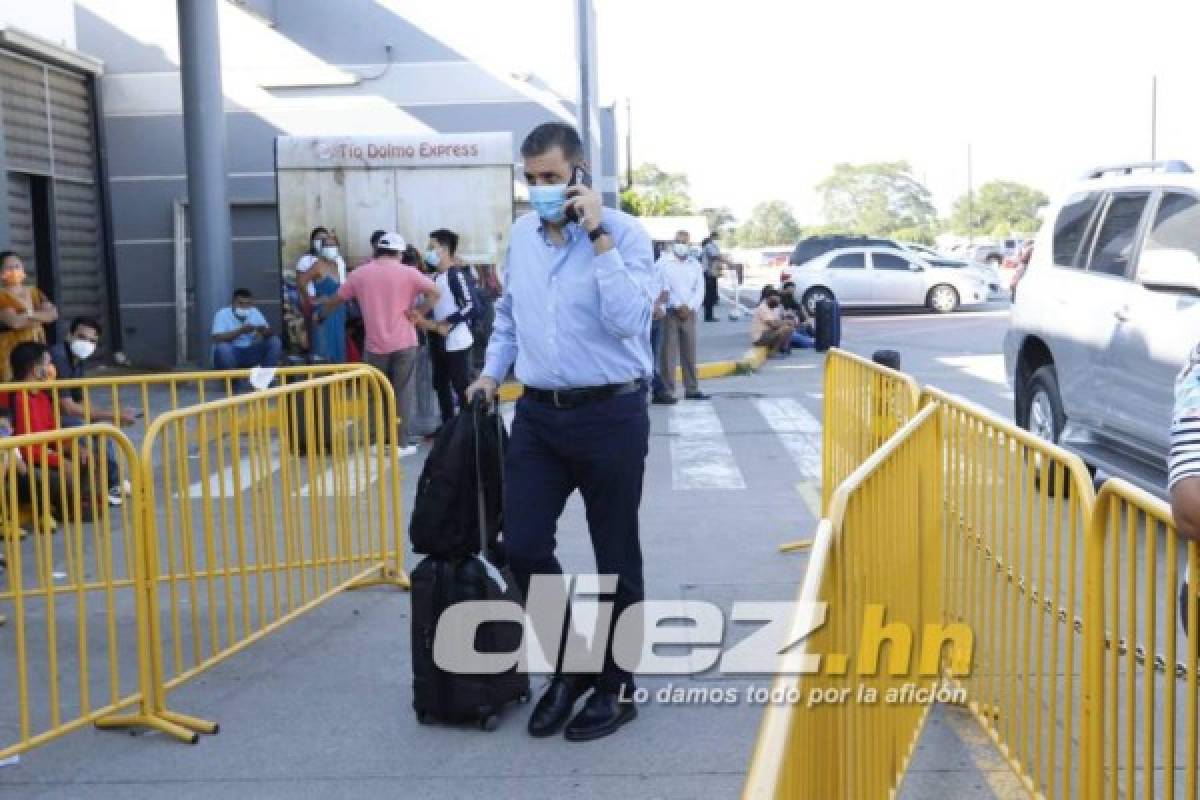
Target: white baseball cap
{"type": "Point", "coordinates": [392, 241]}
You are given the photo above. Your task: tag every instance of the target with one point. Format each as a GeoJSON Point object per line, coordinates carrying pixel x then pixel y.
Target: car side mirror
{"type": "Point", "coordinates": [1170, 271]}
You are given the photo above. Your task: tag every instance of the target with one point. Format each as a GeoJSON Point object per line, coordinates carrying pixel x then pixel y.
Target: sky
{"type": "Point", "coordinates": [758, 99]}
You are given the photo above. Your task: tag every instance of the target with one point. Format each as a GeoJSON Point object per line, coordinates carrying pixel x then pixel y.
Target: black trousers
{"type": "Point", "coordinates": [600, 449]}
{"type": "Point", "coordinates": [451, 371]}
{"type": "Point", "coordinates": [710, 295]}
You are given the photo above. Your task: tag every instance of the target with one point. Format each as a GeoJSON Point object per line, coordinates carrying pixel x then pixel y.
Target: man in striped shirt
{"type": "Point", "coordinates": [1184, 466]}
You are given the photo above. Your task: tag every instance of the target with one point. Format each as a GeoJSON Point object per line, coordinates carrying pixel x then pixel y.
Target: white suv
{"type": "Point", "coordinates": [1106, 314]}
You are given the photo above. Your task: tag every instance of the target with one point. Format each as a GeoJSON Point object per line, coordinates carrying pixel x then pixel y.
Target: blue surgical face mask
{"type": "Point", "coordinates": [550, 202]}
{"type": "Point", "coordinates": [432, 258]}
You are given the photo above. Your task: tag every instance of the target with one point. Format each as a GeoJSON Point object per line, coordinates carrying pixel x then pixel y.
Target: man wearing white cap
{"type": "Point", "coordinates": [386, 290]}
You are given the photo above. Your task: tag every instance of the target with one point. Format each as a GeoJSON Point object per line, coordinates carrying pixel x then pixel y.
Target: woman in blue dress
{"type": "Point", "coordinates": [329, 327]}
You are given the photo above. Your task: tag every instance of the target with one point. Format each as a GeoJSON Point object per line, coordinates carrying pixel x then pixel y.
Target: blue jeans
{"type": "Point", "coordinates": [110, 451]}
{"type": "Point", "coordinates": [656, 338]}
{"type": "Point", "coordinates": [263, 353]}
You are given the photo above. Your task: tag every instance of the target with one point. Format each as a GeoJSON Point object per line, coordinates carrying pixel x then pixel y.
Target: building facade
{"type": "Point", "coordinates": [114, 239]}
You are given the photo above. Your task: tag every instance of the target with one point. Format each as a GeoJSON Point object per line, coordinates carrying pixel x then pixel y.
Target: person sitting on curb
{"type": "Point", "coordinates": [767, 326]}
{"type": "Point", "coordinates": [33, 412]}
{"type": "Point", "coordinates": [69, 358]}
{"type": "Point", "coordinates": [242, 338]}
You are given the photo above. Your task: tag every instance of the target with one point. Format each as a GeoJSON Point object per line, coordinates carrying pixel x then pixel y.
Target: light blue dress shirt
{"type": "Point", "coordinates": [226, 321]}
{"type": "Point", "coordinates": [569, 318]}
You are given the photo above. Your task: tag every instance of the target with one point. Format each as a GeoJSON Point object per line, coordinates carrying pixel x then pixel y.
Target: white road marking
{"type": "Point", "coordinates": [799, 431]}
{"type": "Point", "coordinates": [988, 367]}
{"type": "Point", "coordinates": [700, 454]}
{"type": "Point", "coordinates": [223, 485]}
{"type": "Point", "coordinates": [353, 484]}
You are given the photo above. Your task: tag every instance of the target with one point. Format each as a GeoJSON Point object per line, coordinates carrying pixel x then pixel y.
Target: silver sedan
{"type": "Point", "coordinates": [883, 276]}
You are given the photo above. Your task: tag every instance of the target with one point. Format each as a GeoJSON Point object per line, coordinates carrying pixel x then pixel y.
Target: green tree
{"type": "Point", "coordinates": [997, 206]}
{"type": "Point", "coordinates": [877, 199]}
{"type": "Point", "coordinates": [770, 223]}
{"type": "Point", "coordinates": [719, 219]}
{"type": "Point", "coordinates": [657, 193]}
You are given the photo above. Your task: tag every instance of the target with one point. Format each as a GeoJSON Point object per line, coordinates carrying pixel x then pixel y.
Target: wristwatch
{"type": "Point", "coordinates": [596, 232]}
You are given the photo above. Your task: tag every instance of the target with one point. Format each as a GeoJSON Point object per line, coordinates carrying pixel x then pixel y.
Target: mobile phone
{"type": "Point", "coordinates": [579, 177]}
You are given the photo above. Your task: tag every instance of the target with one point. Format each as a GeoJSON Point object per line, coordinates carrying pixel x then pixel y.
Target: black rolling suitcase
{"type": "Point", "coordinates": [827, 325]}
{"type": "Point", "coordinates": [437, 584]}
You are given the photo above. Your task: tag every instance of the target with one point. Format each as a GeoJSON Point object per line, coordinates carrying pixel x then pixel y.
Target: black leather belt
{"type": "Point", "coordinates": [574, 398]}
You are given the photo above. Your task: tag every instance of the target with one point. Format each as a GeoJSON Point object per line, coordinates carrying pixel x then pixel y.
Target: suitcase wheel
{"type": "Point", "coordinates": [525, 696]}
{"type": "Point", "coordinates": [489, 722]}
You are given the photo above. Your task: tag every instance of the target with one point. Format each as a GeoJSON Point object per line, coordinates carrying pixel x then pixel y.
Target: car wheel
{"type": "Point", "coordinates": [1043, 416]}
{"type": "Point", "coordinates": [943, 298]}
{"type": "Point", "coordinates": [813, 296]}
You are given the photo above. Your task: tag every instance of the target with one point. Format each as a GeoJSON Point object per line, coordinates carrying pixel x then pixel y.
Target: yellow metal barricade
{"type": "Point", "coordinates": [1016, 512]}
{"type": "Point", "coordinates": [1141, 677]}
{"type": "Point", "coordinates": [258, 508]}
{"type": "Point", "coordinates": [864, 404]}
{"type": "Point", "coordinates": [72, 645]}
{"type": "Point", "coordinates": [147, 396]}
{"type": "Point", "coordinates": [877, 565]}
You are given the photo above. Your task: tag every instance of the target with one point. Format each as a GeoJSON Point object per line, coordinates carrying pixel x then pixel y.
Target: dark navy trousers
{"type": "Point", "coordinates": [600, 449]}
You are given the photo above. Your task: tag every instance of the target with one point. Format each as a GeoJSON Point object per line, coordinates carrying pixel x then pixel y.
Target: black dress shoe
{"type": "Point", "coordinates": [664, 400]}
{"type": "Point", "coordinates": [697, 396]}
{"type": "Point", "coordinates": [556, 704]}
{"type": "Point", "coordinates": [602, 714]}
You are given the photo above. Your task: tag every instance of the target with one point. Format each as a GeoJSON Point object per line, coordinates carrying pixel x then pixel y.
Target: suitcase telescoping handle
{"type": "Point", "coordinates": [479, 411]}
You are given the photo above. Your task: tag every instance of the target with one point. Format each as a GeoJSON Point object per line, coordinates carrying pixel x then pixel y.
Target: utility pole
{"type": "Point", "coordinates": [204, 143]}
{"type": "Point", "coordinates": [583, 23]}
{"type": "Point", "coordinates": [1154, 118]}
{"type": "Point", "coordinates": [628, 144]}
{"type": "Point", "coordinates": [970, 201]}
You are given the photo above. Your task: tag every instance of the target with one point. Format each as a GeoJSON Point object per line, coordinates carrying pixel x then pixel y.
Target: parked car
{"type": "Point", "coordinates": [1107, 312]}
{"type": "Point", "coordinates": [924, 251]}
{"type": "Point", "coordinates": [985, 272]}
{"type": "Point", "coordinates": [886, 276]}
{"type": "Point", "coordinates": [814, 246]}
{"type": "Point", "coordinates": [985, 254]}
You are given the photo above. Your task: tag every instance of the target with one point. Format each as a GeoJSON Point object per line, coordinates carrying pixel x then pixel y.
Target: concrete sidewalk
{"type": "Point", "coordinates": [322, 709]}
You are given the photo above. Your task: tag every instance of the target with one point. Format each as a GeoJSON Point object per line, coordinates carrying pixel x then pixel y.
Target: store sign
{"type": "Point", "coordinates": [367, 152]}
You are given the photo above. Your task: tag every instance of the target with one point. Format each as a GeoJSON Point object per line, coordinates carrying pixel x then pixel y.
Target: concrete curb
{"type": "Point", "coordinates": [750, 362]}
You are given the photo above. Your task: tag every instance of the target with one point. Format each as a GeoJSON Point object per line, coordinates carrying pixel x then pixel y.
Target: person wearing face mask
{"type": "Point", "coordinates": [713, 261]}
{"type": "Point", "coordinates": [48, 464]}
{"type": "Point", "coordinates": [574, 320]}
{"type": "Point", "coordinates": [322, 246]}
{"type": "Point", "coordinates": [387, 290]}
{"type": "Point", "coordinates": [24, 310]}
{"type": "Point", "coordinates": [767, 326]}
{"type": "Point", "coordinates": [69, 358]}
{"type": "Point", "coordinates": [449, 333]}
{"type": "Point", "coordinates": [242, 337]}
{"type": "Point", "coordinates": [685, 293]}
{"type": "Point", "coordinates": [321, 280]}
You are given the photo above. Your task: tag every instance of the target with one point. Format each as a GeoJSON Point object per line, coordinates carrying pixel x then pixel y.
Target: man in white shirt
{"type": "Point", "coordinates": [685, 294]}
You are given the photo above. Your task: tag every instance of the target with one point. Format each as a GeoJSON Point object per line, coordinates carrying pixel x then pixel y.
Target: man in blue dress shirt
{"type": "Point", "coordinates": [574, 324]}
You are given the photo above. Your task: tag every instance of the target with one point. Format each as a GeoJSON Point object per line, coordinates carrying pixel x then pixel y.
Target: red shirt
{"type": "Point", "coordinates": [40, 418]}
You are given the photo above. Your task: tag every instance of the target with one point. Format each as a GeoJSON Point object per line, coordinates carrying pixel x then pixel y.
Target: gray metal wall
{"type": "Point", "coordinates": [146, 156]}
